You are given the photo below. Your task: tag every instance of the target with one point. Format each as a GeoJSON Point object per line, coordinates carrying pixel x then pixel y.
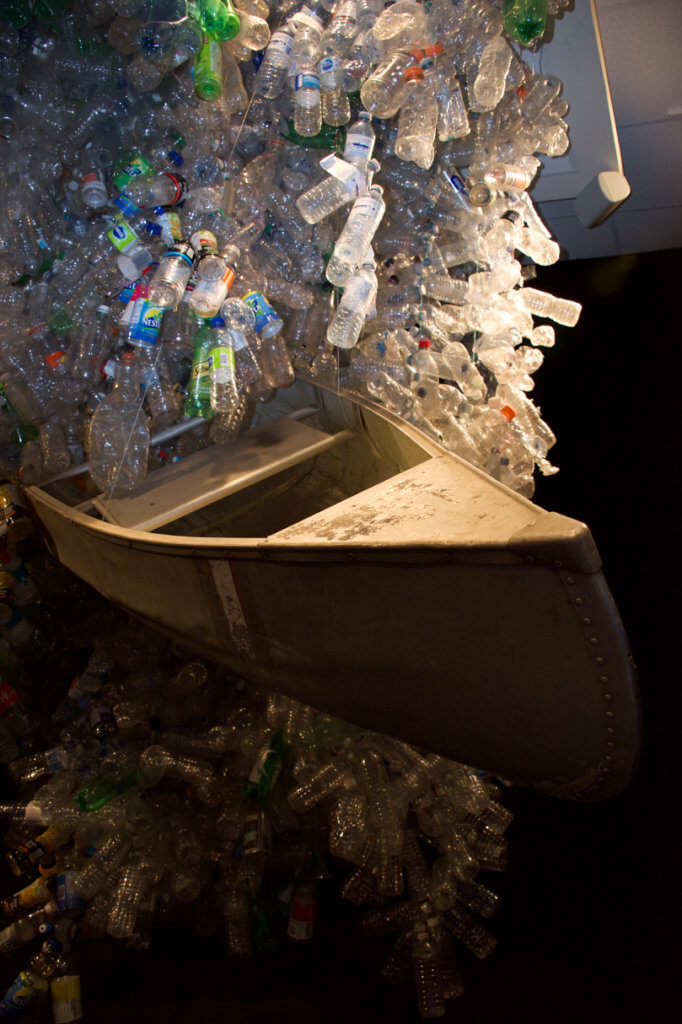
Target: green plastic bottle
{"type": "Point", "coordinates": [208, 71]}
{"type": "Point", "coordinates": [219, 19]}
{"type": "Point", "coordinates": [266, 769]}
{"type": "Point", "coordinates": [198, 401]}
{"type": "Point", "coordinates": [99, 791]}
{"type": "Point", "coordinates": [525, 20]}
{"type": "Point", "coordinates": [130, 164]}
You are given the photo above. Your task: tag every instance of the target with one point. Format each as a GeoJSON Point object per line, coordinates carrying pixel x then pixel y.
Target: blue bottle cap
{"type": "Point", "coordinates": [216, 321]}
{"type": "Point", "coordinates": [175, 157]}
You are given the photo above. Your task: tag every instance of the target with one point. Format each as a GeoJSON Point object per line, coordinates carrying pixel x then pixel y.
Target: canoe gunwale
{"type": "Point", "coordinates": [528, 551]}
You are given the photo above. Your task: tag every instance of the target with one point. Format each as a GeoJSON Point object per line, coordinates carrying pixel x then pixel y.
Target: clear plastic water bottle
{"type": "Point", "coordinates": [88, 347]}
{"type": "Point", "coordinates": [254, 32]}
{"type": "Point", "coordinates": [172, 275]}
{"type": "Point", "coordinates": [418, 120]}
{"type": "Point", "coordinates": [161, 398]}
{"type": "Point", "coordinates": [93, 191]}
{"type": "Point", "coordinates": [335, 191]}
{"type": "Point", "coordinates": [307, 45]}
{"type": "Point", "coordinates": [342, 29]}
{"type": "Point", "coordinates": [356, 236]}
{"type": "Point", "coordinates": [210, 265]}
{"type": "Point", "coordinates": [489, 84]}
{"type": "Point", "coordinates": [382, 93]}
{"type": "Point", "coordinates": [335, 105]}
{"type": "Point", "coordinates": [21, 931]}
{"type": "Point", "coordinates": [160, 190]}
{"type": "Point", "coordinates": [275, 361]}
{"type": "Point", "coordinates": [425, 383]}
{"type": "Point", "coordinates": [240, 318]}
{"type": "Point", "coordinates": [508, 177]}
{"type": "Point", "coordinates": [307, 101]}
{"type": "Point", "coordinates": [119, 434]}
{"type": "Point", "coordinates": [453, 120]}
{"type": "Point", "coordinates": [207, 297]}
{"type": "Point", "coordinates": [356, 302]}
{"type": "Point", "coordinates": [562, 311]}
{"type": "Point", "coordinates": [400, 25]}
{"type": "Point", "coordinates": [272, 73]}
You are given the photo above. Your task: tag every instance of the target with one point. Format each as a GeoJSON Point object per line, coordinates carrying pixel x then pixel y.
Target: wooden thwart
{"type": "Point", "coordinates": [213, 473]}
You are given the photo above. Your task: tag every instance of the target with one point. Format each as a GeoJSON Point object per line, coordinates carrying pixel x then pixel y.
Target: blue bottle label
{"type": "Point", "coordinates": [265, 314]}
{"type": "Point", "coordinates": [55, 759]}
{"type": "Point", "coordinates": [125, 205]}
{"type": "Point", "coordinates": [306, 80]}
{"type": "Point", "coordinates": [458, 183]}
{"type": "Point", "coordinates": [145, 330]}
{"type": "Point", "coordinates": [68, 900]}
{"type": "Point", "coordinates": [20, 996]}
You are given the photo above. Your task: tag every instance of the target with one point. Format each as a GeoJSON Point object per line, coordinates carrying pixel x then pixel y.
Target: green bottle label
{"type": "Point", "coordinates": [122, 236]}
{"type": "Point", "coordinates": [132, 169]}
{"type": "Point", "coordinates": [266, 769]}
{"type": "Point", "coordinates": [198, 401]}
{"type": "Point", "coordinates": [221, 358]}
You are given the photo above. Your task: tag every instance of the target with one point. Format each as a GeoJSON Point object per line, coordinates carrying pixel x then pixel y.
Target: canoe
{"type": "Point", "coordinates": [338, 555]}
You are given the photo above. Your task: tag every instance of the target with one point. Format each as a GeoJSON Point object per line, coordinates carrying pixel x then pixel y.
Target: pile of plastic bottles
{"type": "Point", "coordinates": [202, 200]}
{"type": "Point", "coordinates": [152, 784]}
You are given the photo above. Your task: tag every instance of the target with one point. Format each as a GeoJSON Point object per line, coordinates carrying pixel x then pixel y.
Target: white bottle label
{"type": "Point", "coordinates": [358, 146]}
{"type": "Point", "coordinates": [301, 931]}
{"type": "Point", "coordinates": [352, 178]}
{"type": "Point", "coordinates": [280, 42]}
{"type": "Point", "coordinates": [327, 69]}
{"type": "Point", "coordinates": [305, 17]}
{"type": "Point", "coordinates": [366, 208]}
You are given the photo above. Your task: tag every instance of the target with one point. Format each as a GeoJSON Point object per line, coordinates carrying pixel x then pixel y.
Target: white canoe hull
{"type": "Point", "coordinates": [436, 606]}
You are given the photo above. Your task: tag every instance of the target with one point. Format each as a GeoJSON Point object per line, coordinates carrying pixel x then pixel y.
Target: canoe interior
{"type": "Point", "coordinates": [373, 451]}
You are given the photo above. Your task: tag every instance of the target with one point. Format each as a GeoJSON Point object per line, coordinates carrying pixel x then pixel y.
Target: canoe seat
{"type": "Point", "coordinates": [213, 473]}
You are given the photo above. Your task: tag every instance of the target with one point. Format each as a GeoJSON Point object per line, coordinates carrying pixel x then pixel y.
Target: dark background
{"type": "Point", "coordinates": [589, 926]}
